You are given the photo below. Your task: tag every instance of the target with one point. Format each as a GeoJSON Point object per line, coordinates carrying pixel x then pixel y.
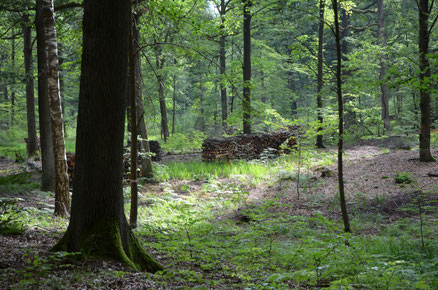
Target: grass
{"type": "Point", "coordinates": [211, 235]}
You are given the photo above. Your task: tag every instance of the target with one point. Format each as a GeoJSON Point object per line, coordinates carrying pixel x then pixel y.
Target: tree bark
{"type": "Point", "coordinates": [62, 196]}
{"type": "Point", "coordinates": [174, 104]}
{"type": "Point", "coordinates": [320, 81]}
{"type": "Point", "coordinates": [222, 58]}
{"type": "Point", "coordinates": [423, 48]}
{"type": "Point", "coordinates": [293, 99]}
{"type": "Point", "coordinates": [46, 140]}
{"type": "Point", "coordinates": [98, 225]}
{"type": "Point", "coordinates": [382, 72]}
{"type": "Point", "coordinates": [162, 99]}
{"type": "Point", "coordinates": [246, 101]}
{"type": "Point", "coordinates": [343, 203]}
{"type": "Point", "coordinates": [146, 162]}
{"type": "Point", "coordinates": [201, 104]}
{"type": "Point", "coordinates": [32, 143]}
{"type": "Point", "coordinates": [133, 120]}
{"type": "Point", "coordinates": [13, 79]}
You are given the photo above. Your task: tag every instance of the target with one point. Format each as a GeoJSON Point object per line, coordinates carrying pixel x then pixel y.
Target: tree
{"type": "Point", "coordinates": [62, 195]}
{"type": "Point", "coordinates": [382, 73]}
{"type": "Point", "coordinates": [98, 224]}
{"type": "Point", "coordinates": [425, 74]}
{"type": "Point", "coordinates": [246, 101]}
{"type": "Point", "coordinates": [47, 156]}
{"type": "Point", "coordinates": [320, 81]}
{"type": "Point", "coordinates": [32, 144]}
{"type": "Point", "coordinates": [341, 119]}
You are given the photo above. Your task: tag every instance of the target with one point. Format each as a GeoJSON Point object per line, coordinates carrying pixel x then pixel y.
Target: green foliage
{"type": "Point", "coordinates": [403, 177]}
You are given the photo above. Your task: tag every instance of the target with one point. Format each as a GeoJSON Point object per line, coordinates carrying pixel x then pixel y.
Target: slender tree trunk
{"type": "Point", "coordinates": [46, 140]}
{"type": "Point", "coordinates": [382, 73]}
{"type": "Point", "coordinates": [32, 143]}
{"type": "Point", "coordinates": [293, 100]}
{"type": "Point", "coordinates": [62, 196]}
{"type": "Point", "coordinates": [320, 80]}
{"type": "Point", "coordinates": [222, 57]}
{"type": "Point", "coordinates": [4, 90]}
{"type": "Point", "coordinates": [174, 104]}
{"type": "Point", "coordinates": [160, 64]}
{"type": "Point", "coordinates": [345, 218]}
{"type": "Point", "coordinates": [146, 162]}
{"type": "Point", "coordinates": [133, 120]}
{"type": "Point", "coordinates": [264, 98]}
{"type": "Point", "coordinates": [423, 48]}
{"type": "Point", "coordinates": [98, 225]}
{"type": "Point", "coordinates": [350, 116]}
{"type": "Point", "coordinates": [13, 79]}
{"type": "Point", "coordinates": [201, 105]}
{"type": "Point", "coordinates": [246, 101]}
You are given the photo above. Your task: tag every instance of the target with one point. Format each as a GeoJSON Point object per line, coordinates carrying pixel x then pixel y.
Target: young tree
{"type": "Point", "coordinates": [246, 101]}
{"type": "Point", "coordinates": [423, 48]}
{"type": "Point", "coordinates": [341, 119]}
{"type": "Point", "coordinates": [62, 196]}
{"type": "Point", "coordinates": [98, 224]}
{"type": "Point", "coordinates": [47, 156]}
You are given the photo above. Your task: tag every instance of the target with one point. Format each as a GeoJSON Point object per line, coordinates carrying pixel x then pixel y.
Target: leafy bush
{"type": "Point", "coordinates": [403, 177]}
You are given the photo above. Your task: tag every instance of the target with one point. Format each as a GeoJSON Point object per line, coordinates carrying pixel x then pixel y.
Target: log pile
{"type": "Point", "coordinates": [250, 146]}
{"type": "Point", "coordinates": [154, 146]}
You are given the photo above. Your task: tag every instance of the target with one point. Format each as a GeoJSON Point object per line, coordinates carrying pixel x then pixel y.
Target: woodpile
{"type": "Point", "coordinates": [154, 146]}
{"type": "Point", "coordinates": [250, 146]}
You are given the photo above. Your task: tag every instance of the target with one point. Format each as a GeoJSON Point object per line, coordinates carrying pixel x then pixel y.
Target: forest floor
{"type": "Point", "coordinates": [370, 172]}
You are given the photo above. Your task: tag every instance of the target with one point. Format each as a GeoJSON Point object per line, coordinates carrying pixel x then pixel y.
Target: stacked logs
{"type": "Point", "coordinates": [154, 146]}
{"type": "Point", "coordinates": [249, 146]}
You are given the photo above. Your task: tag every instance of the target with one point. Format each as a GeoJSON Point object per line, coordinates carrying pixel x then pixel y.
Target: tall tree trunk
{"type": "Point", "coordinates": [382, 73]}
{"type": "Point", "coordinates": [146, 162]}
{"type": "Point", "coordinates": [222, 57]}
{"type": "Point", "coordinates": [320, 80]}
{"type": "Point", "coordinates": [201, 105]}
{"type": "Point", "coordinates": [32, 144]}
{"type": "Point", "coordinates": [133, 120]}
{"type": "Point", "coordinates": [4, 91]}
{"type": "Point", "coordinates": [46, 140]}
{"type": "Point", "coordinates": [345, 218]}
{"type": "Point", "coordinates": [163, 110]}
{"type": "Point", "coordinates": [62, 196]}
{"type": "Point", "coordinates": [293, 100]}
{"type": "Point", "coordinates": [98, 225]}
{"type": "Point", "coordinates": [423, 48]}
{"type": "Point", "coordinates": [246, 101]}
{"type": "Point", "coordinates": [13, 79]}
{"type": "Point", "coordinates": [345, 33]}
{"type": "Point", "coordinates": [264, 98]}
{"type": "Point", "coordinates": [174, 104]}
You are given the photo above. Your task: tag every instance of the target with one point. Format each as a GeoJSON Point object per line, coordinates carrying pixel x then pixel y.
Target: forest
{"type": "Point", "coordinates": [218, 144]}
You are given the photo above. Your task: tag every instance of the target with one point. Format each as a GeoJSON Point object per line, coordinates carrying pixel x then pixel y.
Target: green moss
{"type": "Point", "coordinates": [104, 240]}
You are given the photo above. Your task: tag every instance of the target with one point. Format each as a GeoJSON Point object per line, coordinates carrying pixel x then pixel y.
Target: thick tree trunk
{"type": "Point", "coordinates": [320, 81]}
{"type": "Point", "coordinates": [343, 203]}
{"type": "Point", "coordinates": [98, 224]}
{"type": "Point", "coordinates": [423, 48]}
{"type": "Point", "coordinates": [246, 101]}
{"type": "Point", "coordinates": [133, 120]}
{"type": "Point", "coordinates": [382, 73]}
{"type": "Point", "coordinates": [62, 196]}
{"type": "Point", "coordinates": [32, 143]}
{"type": "Point", "coordinates": [47, 156]}
{"type": "Point", "coordinates": [222, 57]}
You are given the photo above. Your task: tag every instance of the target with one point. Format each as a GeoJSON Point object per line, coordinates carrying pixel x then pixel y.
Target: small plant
{"type": "Point", "coordinates": [403, 177]}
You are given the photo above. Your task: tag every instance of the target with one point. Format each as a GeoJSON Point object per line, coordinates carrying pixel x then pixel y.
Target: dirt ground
{"type": "Point", "coordinates": [369, 185]}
